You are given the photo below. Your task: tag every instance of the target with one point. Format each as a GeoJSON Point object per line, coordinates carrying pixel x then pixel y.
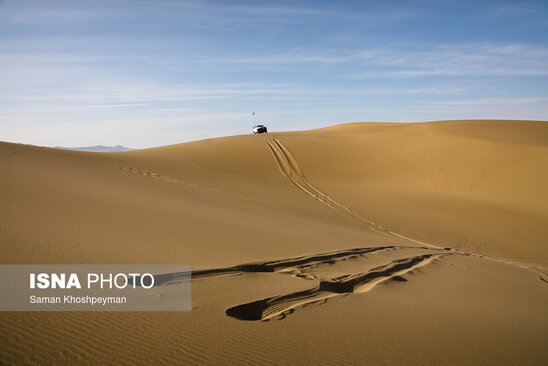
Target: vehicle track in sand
{"type": "Point", "coordinates": [298, 266]}
{"type": "Point", "coordinates": [199, 187]}
{"type": "Point", "coordinates": [289, 168]}
{"type": "Point", "coordinates": [278, 307]}
{"type": "Point", "coordinates": [326, 285]}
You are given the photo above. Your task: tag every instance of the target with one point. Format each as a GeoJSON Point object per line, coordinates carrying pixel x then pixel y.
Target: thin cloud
{"type": "Point", "coordinates": [495, 102]}
{"type": "Point", "coordinates": [198, 14]}
{"type": "Point", "coordinates": [134, 94]}
{"type": "Point", "coordinates": [458, 60]}
{"type": "Point", "coordinates": [151, 68]}
{"type": "Point", "coordinates": [534, 108]}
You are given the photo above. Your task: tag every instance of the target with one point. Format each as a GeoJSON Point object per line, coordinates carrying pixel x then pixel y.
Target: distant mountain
{"type": "Point", "coordinates": [96, 148]}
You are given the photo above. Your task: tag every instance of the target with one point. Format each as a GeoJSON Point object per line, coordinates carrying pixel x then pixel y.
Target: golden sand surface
{"type": "Point", "coordinates": [361, 243]}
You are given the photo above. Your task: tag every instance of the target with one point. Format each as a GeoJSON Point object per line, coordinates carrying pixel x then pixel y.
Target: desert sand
{"type": "Point", "coordinates": [361, 243]}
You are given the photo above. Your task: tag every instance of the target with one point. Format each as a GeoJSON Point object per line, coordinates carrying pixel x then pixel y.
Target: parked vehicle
{"type": "Point", "coordinates": [259, 129]}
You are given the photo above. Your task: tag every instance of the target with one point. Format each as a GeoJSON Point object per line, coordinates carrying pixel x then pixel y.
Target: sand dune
{"type": "Point", "coordinates": [362, 243]}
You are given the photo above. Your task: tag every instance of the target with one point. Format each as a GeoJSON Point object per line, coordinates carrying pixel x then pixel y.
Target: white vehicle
{"type": "Point", "coordinates": [259, 129]}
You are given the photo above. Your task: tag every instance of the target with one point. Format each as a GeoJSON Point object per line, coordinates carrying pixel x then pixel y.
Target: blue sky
{"type": "Point", "coordinates": [149, 73]}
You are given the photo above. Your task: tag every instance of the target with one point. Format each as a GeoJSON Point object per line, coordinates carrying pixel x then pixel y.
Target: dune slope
{"type": "Point", "coordinates": [358, 243]}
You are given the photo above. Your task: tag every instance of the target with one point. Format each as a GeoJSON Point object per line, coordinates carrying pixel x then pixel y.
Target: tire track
{"type": "Point", "coordinates": [290, 169]}
{"type": "Point", "coordinates": [199, 187]}
{"type": "Point", "coordinates": [278, 307]}
{"type": "Point", "coordinates": [296, 266]}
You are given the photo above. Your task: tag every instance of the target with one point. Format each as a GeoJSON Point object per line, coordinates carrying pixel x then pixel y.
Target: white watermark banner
{"type": "Point", "coordinates": [88, 287]}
